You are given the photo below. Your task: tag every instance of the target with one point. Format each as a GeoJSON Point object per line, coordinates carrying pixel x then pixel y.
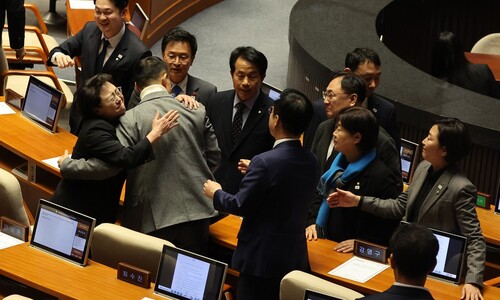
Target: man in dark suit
{"type": "Point", "coordinates": [273, 199]}
{"type": "Point", "coordinates": [363, 62]}
{"type": "Point", "coordinates": [122, 49]}
{"type": "Point", "coordinates": [178, 48]}
{"type": "Point", "coordinates": [414, 249]}
{"type": "Point", "coordinates": [251, 136]}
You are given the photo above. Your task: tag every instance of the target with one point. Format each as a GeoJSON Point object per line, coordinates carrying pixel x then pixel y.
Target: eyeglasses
{"type": "Point", "coordinates": [330, 95]}
{"type": "Point", "coordinates": [116, 93]}
{"type": "Point", "coordinates": [183, 58]}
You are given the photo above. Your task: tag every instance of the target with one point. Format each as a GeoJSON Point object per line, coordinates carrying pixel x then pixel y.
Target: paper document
{"type": "Point", "coordinates": [53, 161]}
{"type": "Point", "coordinates": [5, 109]}
{"type": "Point", "coordinates": [7, 241]}
{"type": "Point", "coordinates": [81, 4]}
{"type": "Point", "coordinates": [358, 269]}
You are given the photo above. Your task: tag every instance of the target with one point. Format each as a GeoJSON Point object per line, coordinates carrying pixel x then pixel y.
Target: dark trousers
{"type": "Point", "coordinates": [191, 236]}
{"type": "Point", "coordinates": [253, 287]}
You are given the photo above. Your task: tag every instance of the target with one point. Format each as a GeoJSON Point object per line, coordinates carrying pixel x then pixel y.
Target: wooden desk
{"type": "Point", "coordinates": [493, 61]}
{"type": "Point", "coordinates": [489, 225]}
{"type": "Point", "coordinates": [64, 280]}
{"type": "Point", "coordinates": [21, 141]}
{"type": "Point", "coordinates": [323, 259]}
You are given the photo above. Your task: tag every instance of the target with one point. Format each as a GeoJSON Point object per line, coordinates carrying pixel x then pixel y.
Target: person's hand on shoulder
{"type": "Point", "coordinates": [471, 292]}
{"type": "Point", "coordinates": [188, 101]}
{"type": "Point", "coordinates": [162, 125]}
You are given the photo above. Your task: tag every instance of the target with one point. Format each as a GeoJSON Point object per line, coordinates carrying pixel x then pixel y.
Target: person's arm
{"type": "Point", "coordinates": [87, 169]}
{"type": "Point", "coordinates": [62, 56]}
{"type": "Point", "coordinates": [468, 224]}
{"type": "Point", "coordinates": [311, 233]}
{"type": "Point", "coordinates": [212, 150]}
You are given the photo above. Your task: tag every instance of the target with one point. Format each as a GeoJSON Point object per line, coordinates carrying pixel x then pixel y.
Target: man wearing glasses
{"type": "Point", "coordinates": [104, 46]}
{"type": "Point", "coordinates": [363, 62]}
{"type": "Point", "coordinates": [345, 90]}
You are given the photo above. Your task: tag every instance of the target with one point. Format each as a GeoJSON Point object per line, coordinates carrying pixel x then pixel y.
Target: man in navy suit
{"type": "Point", "coordinates": [178, 48]}
{"type": "Point", "coordinates": [248, 70]}
{"type": "Point", "coordinates": [108, 33]}
{"type": "Point", "coordinates": [273, 199]}
{"type": "Point", "coordinates": [414, 249]}
{"type": "Point", "coordinates": [365, 63]}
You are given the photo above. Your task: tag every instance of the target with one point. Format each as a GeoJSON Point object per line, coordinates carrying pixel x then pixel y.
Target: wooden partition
{"type": "Point", "coordinates": [166, 14]}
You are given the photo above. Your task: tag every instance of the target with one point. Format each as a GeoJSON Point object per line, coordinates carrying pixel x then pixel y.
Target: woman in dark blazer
{"type": "Point", "coordinates": [440, 197]}
{"type": "Point", "coordinates": [356, 168]}
{"type": "Point", "coordinates": [102, 104]}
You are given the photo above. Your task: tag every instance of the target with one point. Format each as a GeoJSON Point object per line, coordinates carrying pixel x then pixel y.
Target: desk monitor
{"type": "Point", "coordinates": [62, 232]}
{"type": "Point", "coordinates": [140, 20]}
{"type": "Point", "coordinates": [273, 92]}
{"type": "Point", "coordinates": [409, 158]}
{"type": "Point", "coordinates": [450, 257]}
{"type": "Point", "coordinates": [186, 275]}
{"type": "Point", "coordinates": [42, 104]}
{"type": "Point", "coordinates": [312, 295]}
{"type": "Point", "coordinates": [497, 199]}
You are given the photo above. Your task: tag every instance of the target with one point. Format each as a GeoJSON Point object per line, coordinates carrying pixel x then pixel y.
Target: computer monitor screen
{"type": "Point", "coordinates": [186, 275]}
{"type": "Point", "coordinates": [273, 92]}
{"type": "Point", "coordinates": [42, 104]}
{"type": "Point", "coordinates": [62, 232]}
{"type": "Point", "coordinates": [409, 154]}
{"type": "Point", "coordinates": [139, 19]}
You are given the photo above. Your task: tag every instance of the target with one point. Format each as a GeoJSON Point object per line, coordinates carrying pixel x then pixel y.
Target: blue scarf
{"type": "Point", "coordinates": [340, 173]}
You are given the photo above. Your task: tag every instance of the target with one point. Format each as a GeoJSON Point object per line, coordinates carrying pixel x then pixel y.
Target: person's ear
{"type": "Point", "coordinates": [353, 99]}
{"type": "Point", "coordinates": [444, 151]}
{"type": "Point", "coordinates": [347, 70]}
{"type": "Point", "coordinates": [123, 12]}
{"type": "Point", "coordinates": [357, 137]}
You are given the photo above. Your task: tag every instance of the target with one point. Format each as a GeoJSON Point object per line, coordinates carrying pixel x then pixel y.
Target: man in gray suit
{"type": "Point", "coordinates": [178, 48]}
{"type": "Point", "coordinates": [164, 198]}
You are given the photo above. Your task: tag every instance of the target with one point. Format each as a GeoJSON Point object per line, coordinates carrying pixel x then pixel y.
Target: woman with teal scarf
{"type": "Point", "coordinates": [356, 168]}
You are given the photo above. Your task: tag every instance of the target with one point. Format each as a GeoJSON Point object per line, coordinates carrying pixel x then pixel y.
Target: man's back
{"type": "Point", "coordinates": [168, 190]}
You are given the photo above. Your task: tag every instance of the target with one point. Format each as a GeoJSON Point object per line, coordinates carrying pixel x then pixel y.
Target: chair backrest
{"type": "Point", "coordinates": [295, 283]}
{"type": "Point", "coordinates": [489, 44]}
{"type": "Point", "coordinates": [112, 244]}
{"type": "Point", "coordinates": [11, 199]}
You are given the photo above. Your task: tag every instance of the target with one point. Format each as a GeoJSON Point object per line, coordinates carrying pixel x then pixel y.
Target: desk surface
{"type": "Point", "coordinates": [493, 61]}
{"type": "Point", "coordinates": [62, 279]}
{"type": "Point", "coordinates": [489, 225]}
{"type": "Point", "coordinates": [323, 259]}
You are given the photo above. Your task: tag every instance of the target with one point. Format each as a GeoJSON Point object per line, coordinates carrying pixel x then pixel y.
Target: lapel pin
{"type": "Point", "coordinates": [260, 111]}
{"type": "Point", "coordinates": [439, 188]}
{"type": "Point", "coordinates": [119, 57]}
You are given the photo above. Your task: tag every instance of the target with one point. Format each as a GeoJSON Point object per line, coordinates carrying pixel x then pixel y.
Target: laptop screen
{"type": "Point", "coordinates": [186, 275]}
{"type": "Point", "coordinates": [312, 295]}
{"type": "Point", "coordinates": [273, 92]}
{"type": "Point", "coordinates": [62, 232]}
{"type": "Point", "coordinates": [409, 155]}
{"type": "Point", "coordinates": [450, 256]}
{"type": "Point", "coordinates": [42, 104]}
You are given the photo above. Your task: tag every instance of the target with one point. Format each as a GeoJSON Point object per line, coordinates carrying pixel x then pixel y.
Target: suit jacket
{"type": "Point", "coordinates": [200, 89]}
{"type": "Point", "coordinates": [254, 137]}
{"type": "Point", "coordinates": [169, 190]}
{"type": "Point", "coordinates": [273, 200]}
{"type": "Point", "coordinates": [99, 198]}
{"type": "Point", "coordinates": [16, 19]}
{"type": "Point", "coordinates": [450, 206]}
{"type": "Point", "coordinates": [396, 292]}
{"type": "Point", "coordinates": [85, 44]}
{"type": "Point", "coordinates": [385, 112]}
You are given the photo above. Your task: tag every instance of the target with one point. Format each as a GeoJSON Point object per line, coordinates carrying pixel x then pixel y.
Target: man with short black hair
{"type": "Point", "coordinates": [273, 199]}
{"type": "Point", "coordinates": [240, 117]}
{"type": "Point", "coordinates": [414, 249]}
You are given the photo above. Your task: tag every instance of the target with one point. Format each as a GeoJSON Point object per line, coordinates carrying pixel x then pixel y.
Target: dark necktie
{"type": "Point", "coordinates": [176, 90]}
{"type": "Point", "coordinates": [100, 58]}
{"type": "Point", "coordinates": [237, 122]}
